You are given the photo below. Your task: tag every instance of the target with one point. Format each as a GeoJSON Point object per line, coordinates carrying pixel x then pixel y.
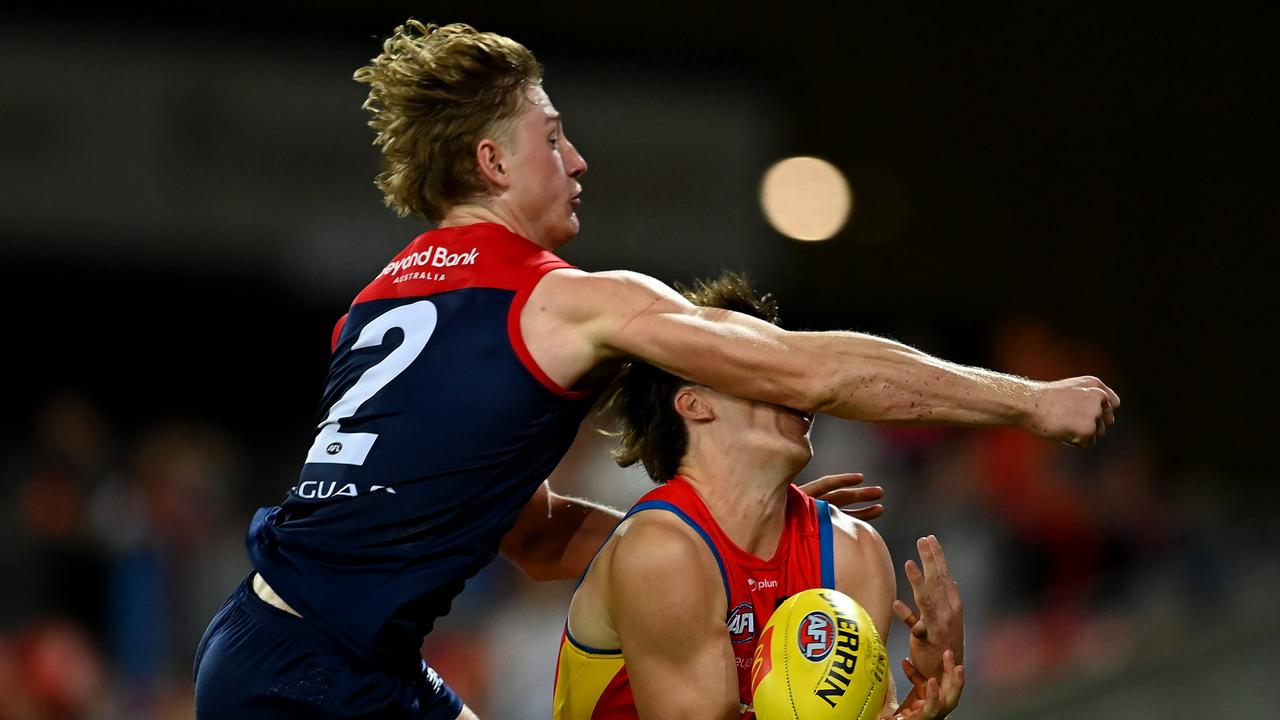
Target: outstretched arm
{"type": "Point", "coordinates": [577, 320]}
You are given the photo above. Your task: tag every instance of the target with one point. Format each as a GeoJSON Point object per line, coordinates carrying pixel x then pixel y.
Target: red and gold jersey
{"type": "Point", "coordinates": [592, 683]}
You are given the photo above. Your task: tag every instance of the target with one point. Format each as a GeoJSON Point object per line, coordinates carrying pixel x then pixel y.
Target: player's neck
{"type": "Point", "coordinates": [472, 213]}
{"type": "Point", "coordinates": [748, 499]}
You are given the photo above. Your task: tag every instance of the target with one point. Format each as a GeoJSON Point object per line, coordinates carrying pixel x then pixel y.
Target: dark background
{"type": "Point", "coordinates": [1109, 171]}
{"type": "Point", "coordinates": [187, 208]}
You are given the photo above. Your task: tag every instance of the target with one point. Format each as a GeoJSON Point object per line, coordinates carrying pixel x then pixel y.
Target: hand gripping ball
{"type": "Point", "coordinates": [819, 658]}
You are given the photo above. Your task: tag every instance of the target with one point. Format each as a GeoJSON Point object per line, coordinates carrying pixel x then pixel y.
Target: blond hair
{"type": "Point", "coordinates": [434, 93]}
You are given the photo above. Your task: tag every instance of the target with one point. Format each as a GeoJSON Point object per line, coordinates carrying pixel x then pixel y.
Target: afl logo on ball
{"type": "Point", "coordinates": [815, 636]}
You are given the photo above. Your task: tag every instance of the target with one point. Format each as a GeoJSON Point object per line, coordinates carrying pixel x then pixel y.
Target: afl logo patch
{"type": "Point", "coordinates": [815, 636]}
{"type": "Point", "coordinates": [742, 624]}
{"type": "Point", "coordinates": [334, 448]}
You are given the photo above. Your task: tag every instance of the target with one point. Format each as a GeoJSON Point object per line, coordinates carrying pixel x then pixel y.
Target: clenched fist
{"type": "Point", "coordinates": [1076, 411]}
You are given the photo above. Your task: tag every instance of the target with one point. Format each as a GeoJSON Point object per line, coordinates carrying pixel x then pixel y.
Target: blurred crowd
{"type": "Point", "coordinates": [118, 546]}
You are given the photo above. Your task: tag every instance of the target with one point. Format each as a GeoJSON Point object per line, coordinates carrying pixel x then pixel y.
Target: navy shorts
{"type": "Point", "coordinates": [257, 662]}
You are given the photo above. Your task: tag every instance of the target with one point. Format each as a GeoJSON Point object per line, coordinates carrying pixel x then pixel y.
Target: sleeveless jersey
{"type": "Point", "coordinates": [436, 429]}
{"type": "Point", "coordinates": [592, 683]}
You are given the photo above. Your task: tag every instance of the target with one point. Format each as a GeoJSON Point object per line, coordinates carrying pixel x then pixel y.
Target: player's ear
{"type": "Point", "coordinates": [694, 404]}
{"type": "Point", "coordinates": [489, 158]}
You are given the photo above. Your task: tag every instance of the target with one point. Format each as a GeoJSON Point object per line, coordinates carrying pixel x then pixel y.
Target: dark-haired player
{"type": "Point", "coordinates": [667, 618]}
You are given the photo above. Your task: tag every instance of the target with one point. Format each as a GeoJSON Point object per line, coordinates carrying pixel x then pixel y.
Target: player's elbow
{"type": "Point", "coordinates": [797, 390]}
{"type": "Point", "coordinates": [786, 374]}
{"type": "Point", "coordinates": [542, 571]}
{"type": "Point", "coordinates": [858, 391]}
{"type": "Point", "coordinates": [537, 564]}
{"type": "Point", "coordinates": [534, 554]}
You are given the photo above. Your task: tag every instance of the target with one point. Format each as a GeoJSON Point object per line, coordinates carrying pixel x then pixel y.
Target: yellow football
{"type": "Point", "coordinates": [819, 658]}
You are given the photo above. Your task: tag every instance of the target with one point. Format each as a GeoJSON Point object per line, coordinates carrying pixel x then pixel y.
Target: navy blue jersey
{"type": "Point", "coordinates": [436, 428]}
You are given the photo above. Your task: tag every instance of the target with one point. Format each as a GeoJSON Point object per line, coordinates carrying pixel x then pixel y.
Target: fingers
{"type": "Point", "coordinates": [829, 483]}
{"type": "Point", "coordinates": [929, 561]}
{"type": "Point", "coordinates": [914, 676]}
{"type": "Point", "coordinates": [1111, 396]}
{"type": "Point", "coordinates": [939, 558]}
{"type": "Point", "coordinates": [935, 698]}
{"type": "Point", "coordinates": [867, 513]}
{"type": "Point", "coordinates": [824, 489]}
{"type": "Point", "coordinates": [1100, 413]}
{"type": "Point", "coordinates": [916, 578]}
{"type": "Point", "coordinates": [1110, 404]}
{"type": "Point", "coordinates": [1085, 438]}
{"type": "Point", "coordinates": [848, 496]}
{"type": "Point", "coordinates": [927, 581]}
{"type": "Point", "coordinates": [947, 587]}
{"type": "Point", "coordinates": [937, 595]}
{"type": "Point", "coordinates": [1108, 416]}
{"type": "Point", "coordinates": [911, 620]}
{"type": "Point", "coordinates": [952, 681]}
{"type": "Point", "coordinates": [939, 621]}
{"type": "Point", "coordinates": [843, 479]}
{"type": "Point", "coordinates": [940, 698]}
{"type": "Point", "coordinates": [946, 582]}
{"type": "Point", "coordinates": [932, 700]}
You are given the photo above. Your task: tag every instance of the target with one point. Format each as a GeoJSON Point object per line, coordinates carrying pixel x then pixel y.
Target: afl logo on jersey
{"type": "Point", "coordinates": [815, 637]}
{"type": "Point", "coordinates": [742, 624]}
{"type": "Point", "coordinates": [334, 448]}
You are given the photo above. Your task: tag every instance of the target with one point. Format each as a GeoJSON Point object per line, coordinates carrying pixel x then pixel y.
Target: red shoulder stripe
{"type": "Point", "coordinates": [517, 338]}
{"type": "Point", "coordinates": [337, 332]}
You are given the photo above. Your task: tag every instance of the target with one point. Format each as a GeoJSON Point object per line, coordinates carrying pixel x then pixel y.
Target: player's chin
{"type": "Point", "coordinates": [799, 449]}
{"type": "Point", "coordinates": [568, 225]}
{"type": "Point", "coordinates": [562, 232]}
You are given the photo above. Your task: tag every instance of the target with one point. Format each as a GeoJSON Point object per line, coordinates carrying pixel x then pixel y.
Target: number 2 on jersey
{"type": "Point", "coordinates": [418, 322]}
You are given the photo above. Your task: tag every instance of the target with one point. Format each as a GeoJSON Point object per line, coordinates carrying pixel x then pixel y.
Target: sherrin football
{"type": "Point", "coordinates": [819, 658]}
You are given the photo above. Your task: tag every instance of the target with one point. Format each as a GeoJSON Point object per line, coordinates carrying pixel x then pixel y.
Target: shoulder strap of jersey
{"type": "Point", "coordinates": [536, 270]}
{"type": "Point", "coordinates": [825, 547]}
{"type": "Point", "coordinates": [568, 637]}
{"type": "Point", "coordinates": [671, 508]}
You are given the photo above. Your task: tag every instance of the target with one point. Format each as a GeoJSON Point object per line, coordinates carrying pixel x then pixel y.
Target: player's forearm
{"type": "Point", "coordinates": [863, 377]}
{"type": "Point", "coordinates": [555, 537]}
{"type": "Point", "coordinates": [595, 522]}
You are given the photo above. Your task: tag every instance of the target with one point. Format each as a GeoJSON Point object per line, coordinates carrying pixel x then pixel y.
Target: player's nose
{"type": "Point", "coordinates": [577, 165]}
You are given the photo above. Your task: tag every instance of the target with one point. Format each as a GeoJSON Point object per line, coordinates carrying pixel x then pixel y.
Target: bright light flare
{"type": "Point", "coordinates": [806, 198]}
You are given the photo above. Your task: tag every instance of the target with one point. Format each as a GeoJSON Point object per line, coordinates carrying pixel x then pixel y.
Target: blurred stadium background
{"type": "Point", "coordinates": [187, 207]}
